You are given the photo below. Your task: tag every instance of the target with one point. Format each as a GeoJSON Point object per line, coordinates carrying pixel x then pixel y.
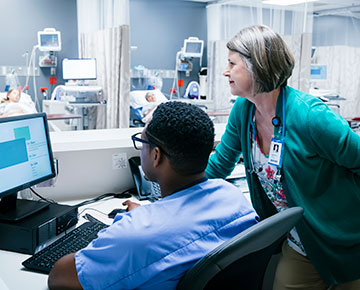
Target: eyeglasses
{"type": "Point", "coordinates": [138, 143]}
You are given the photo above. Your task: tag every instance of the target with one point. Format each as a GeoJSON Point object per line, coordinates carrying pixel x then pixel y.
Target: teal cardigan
{"type": "Point", "coordinates": [320, 173]}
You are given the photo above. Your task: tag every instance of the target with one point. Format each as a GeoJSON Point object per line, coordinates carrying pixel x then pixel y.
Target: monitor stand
{"type": "Point", "coordinates": [13, 209]}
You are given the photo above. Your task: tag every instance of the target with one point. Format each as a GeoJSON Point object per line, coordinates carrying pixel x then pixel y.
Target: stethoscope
{"type": "Point", "coordinates": [276, 123]}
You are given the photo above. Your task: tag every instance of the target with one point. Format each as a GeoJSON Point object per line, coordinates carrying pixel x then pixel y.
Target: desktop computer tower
{"type": "Point", "coordinates": [25, 235]}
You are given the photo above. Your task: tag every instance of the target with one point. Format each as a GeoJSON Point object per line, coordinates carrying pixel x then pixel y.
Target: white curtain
{"type": "Point", "coordinates": [103, 27]}
{"type": "Point", "coordinates": [337, 46]}
{"type": "Point", "coordinates": [101, 14]}
{"type": "Point", "coordinates": [110, 47]}
{"type": "Point", "coordinates": [343, 76]}
{"type": "Point", "coordinates": [227, 18]}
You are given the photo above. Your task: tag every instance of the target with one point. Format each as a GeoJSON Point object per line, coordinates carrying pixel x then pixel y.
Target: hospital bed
{"type": "Point", "coordinates": [138, 101]}
{"type": "Point", "coordinates": [24, 104]}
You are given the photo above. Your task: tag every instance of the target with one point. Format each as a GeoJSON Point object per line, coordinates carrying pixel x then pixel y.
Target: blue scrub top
{"type": "Point", "coordinates": [152, 246]}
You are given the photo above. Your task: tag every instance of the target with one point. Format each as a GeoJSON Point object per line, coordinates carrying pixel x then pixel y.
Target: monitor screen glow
{"type": "Point", "coordinates": [79, 69]}
{"type": "Point", "coordinates": [49, 41]}
{"type": "Point", "coordinates": [193, 48]}
{"type": "Point", "coordinates": [25, 153]}
{"type": "Point", "coordinates": [318, 72]}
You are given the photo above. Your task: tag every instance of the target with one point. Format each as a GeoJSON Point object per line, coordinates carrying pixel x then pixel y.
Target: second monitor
{"type": "Point", "coordinates": [79, 69]}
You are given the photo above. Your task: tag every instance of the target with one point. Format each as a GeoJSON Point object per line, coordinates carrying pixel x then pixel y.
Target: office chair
{"type": "Point", "coordinates": [242, 260]}
{"type": "Point", "coordinates": [135, 118]}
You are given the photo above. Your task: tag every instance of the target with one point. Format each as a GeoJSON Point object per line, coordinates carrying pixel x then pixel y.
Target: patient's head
{"type": "Point", "coordinates": [185, 133]}
{"type": "Point", "coordinates": [150, 97]}
{"type": "Point", "coordinates": [13, 96]}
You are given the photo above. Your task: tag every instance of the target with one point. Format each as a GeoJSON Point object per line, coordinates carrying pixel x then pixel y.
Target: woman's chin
{"type": "Point", "coordinates": [234, 92]}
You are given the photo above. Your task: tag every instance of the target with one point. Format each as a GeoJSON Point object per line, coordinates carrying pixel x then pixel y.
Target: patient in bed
{"type": "Point", "coordinates": [15, 104]}
{"type": "Point", "coordinates": [143, 103]}
{"type": "Point", "coordinates": [151, 105]}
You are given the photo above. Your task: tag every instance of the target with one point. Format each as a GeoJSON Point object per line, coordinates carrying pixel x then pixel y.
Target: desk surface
{"type": "Point", "coordinates": [16, 277]}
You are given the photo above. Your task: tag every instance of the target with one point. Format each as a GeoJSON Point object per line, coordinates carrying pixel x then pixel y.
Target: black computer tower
{"type": "Point", "coordinates": [26, 235]}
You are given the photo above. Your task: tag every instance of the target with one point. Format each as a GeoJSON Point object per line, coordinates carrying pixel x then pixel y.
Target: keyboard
{"type": "Point", "coordinates": [71, 242]}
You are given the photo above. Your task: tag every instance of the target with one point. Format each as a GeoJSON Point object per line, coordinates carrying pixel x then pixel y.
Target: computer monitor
{"type": "Point", "coordinates": [193, 47]}
{"type": "Point", "coordinates": [49, 40]}
{"type": "Point", "coordinates": [79, 69]}
{"type": "Point", "coordinates": [25, 160]}
{"type": "Point", "coordinates": [318, 72]}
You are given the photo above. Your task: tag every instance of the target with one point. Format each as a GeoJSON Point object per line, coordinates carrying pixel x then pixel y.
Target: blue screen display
{"type": "Point", "coordinates": [25, 154]}
{"type": "Point", "coordinates": [318, 72]}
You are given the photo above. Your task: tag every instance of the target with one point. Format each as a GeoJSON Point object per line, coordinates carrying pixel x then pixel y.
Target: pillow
{"type": "Point", "coordinates": [137, 98]}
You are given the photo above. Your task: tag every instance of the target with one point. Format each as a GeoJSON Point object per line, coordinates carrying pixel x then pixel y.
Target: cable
{"type": "Point", "coordinates": [35, 88]}
{"type": "Point", "coordinates": [87, 218]}
{"type": "Point", "coordinates": [32, 65]}
{"type": "Point", "coordinates": [94, 209]}
{"type": "Point", "coordinates": [29, 65]}
{"type": "Point", "coordinates": [109, 194]}
{"type": "Point", "coordinates": [124, 194]}
{"type": "Point", "coordinates": [41, 197]}
{"type": "Point", "coordinates": [176, 77]}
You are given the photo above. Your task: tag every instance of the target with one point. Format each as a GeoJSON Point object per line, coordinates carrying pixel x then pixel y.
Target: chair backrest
{"type": "Point", "coordinates": [136, 117]}
{"type": "Point", "coordinates": [242, 260]}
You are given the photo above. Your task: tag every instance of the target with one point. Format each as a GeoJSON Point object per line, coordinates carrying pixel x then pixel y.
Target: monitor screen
{"type": "Point", "coordinates": [318, 72]}
{"type": "Point", "coordinates": [49, 40]}
{"type": "Point", "coordinates": [79, 69]}
{"type": "Point", "coordinates": [193, 47]}
{"type": "Point", "coordinates": [25, 153]}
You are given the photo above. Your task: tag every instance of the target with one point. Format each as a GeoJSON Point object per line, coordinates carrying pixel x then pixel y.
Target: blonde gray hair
{"type": "Point", "coordinates": [267, 56]}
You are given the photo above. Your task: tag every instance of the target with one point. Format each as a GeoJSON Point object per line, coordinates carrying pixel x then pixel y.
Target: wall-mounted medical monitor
{"type": "Point", "coordinates": [193, 47]}
{"type": "Point", "coordinates": [318, 72]}
{"type": "Point", "coordinates": [79, 69]}
{"type": "Point", "coordinates": [49, 40]}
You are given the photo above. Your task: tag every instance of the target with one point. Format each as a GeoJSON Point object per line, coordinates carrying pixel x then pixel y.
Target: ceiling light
{"type": "Point", "coordinates": [286, 2]}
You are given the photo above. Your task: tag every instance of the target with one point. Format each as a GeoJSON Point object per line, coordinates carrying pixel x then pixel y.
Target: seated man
{"type": "Point", "coordinates": [152, 246]}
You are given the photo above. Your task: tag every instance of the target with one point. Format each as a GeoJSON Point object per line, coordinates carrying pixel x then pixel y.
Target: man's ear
{"type": "Point", "coordinates": [157, 156]}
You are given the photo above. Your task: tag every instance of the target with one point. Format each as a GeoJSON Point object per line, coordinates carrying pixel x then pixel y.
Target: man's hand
{"type": "Point", "coordinates": [130, 204]}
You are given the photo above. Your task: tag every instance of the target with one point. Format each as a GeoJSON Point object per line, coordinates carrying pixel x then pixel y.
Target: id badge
{"type": "Point", "coordinates": [276, 149]}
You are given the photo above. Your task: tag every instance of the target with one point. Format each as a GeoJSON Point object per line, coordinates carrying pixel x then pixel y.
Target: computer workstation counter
{"type": "Point", "coordinates": [90, 163]}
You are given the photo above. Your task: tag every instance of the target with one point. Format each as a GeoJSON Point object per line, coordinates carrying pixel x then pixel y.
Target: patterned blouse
{"type": "Point", "coordinates": [274, 190]}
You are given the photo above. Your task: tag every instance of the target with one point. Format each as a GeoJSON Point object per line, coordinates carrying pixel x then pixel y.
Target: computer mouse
{"type": "Point", "coordinates": [115, 211]}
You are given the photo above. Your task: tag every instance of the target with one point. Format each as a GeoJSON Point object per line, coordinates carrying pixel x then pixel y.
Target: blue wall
{"type": "Point", "coordinates": [19, 23]}
{"type": "Point", "coordinates": [158, 28]}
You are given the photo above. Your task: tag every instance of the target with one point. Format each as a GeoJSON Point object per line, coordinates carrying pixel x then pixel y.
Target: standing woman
{"type": "Point", "coordinates": [297, 152]}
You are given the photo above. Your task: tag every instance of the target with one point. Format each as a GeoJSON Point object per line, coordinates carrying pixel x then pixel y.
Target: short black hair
{"type": "Point", "coordinates": [185, 132]}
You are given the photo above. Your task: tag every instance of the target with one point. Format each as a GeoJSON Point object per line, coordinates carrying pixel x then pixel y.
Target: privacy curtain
{"type": "Point", "coordinates": [104, 34]}
{"type": "Point", "coordinates": [337, 46]}
{"type": "Point", "coordinates": [343, 76]}
{"type": "Point", "coordinates": [227, 18]}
